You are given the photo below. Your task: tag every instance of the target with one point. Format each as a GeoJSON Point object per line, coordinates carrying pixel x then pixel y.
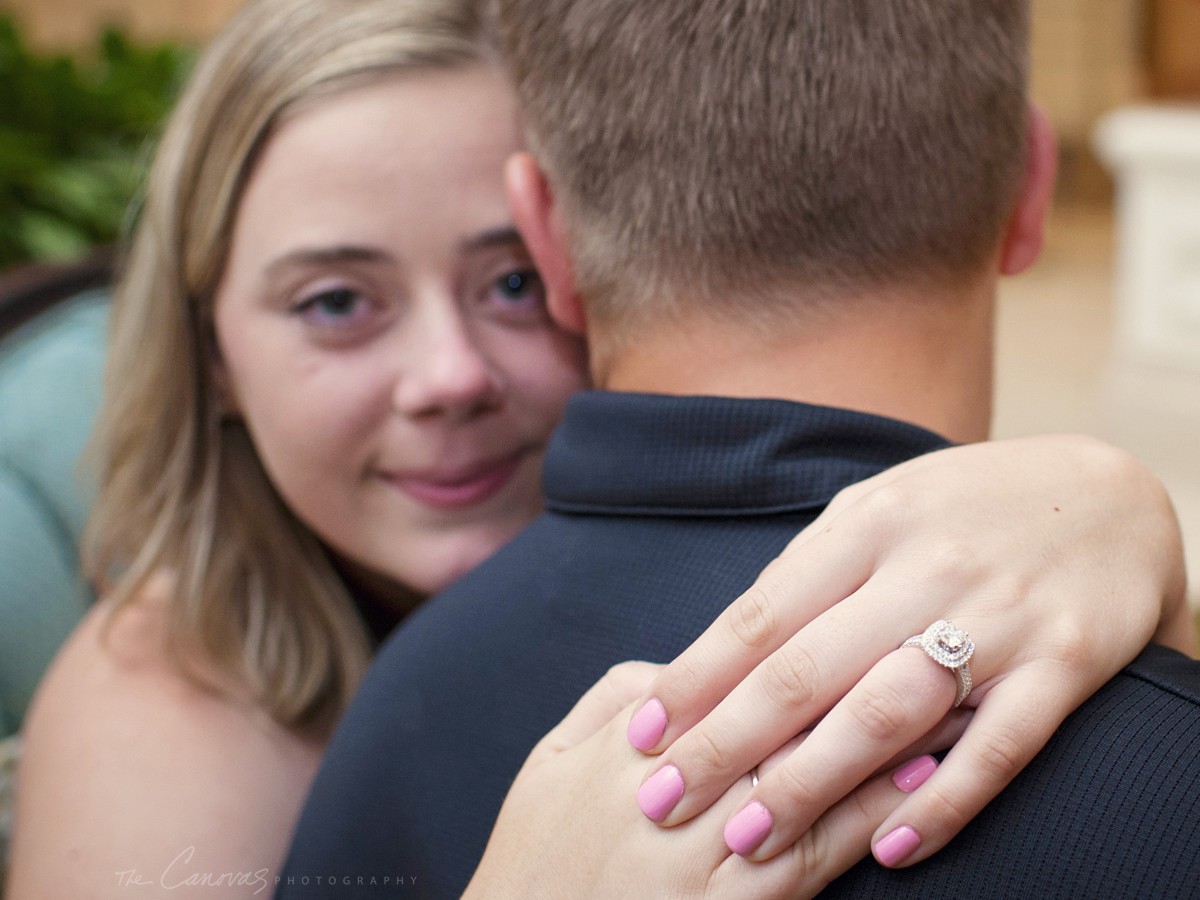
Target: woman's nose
{"type": "Point", "coordinates": [447, 374]}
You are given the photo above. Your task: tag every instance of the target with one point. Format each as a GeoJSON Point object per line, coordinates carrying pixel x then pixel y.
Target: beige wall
{"type": "Point", "coordinates": [1086, 52]}
{"type": "Point", "coordinates": [1086, 60]}
{"type": "Point", "coordinates": [74, 23]}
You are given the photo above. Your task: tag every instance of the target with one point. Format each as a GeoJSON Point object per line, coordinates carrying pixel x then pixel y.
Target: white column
{"type": "Point", "coordinates": [1153, 390]}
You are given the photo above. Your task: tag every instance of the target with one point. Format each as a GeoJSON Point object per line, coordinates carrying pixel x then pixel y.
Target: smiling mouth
{"type": "Point", "coordinates": [459, 491]}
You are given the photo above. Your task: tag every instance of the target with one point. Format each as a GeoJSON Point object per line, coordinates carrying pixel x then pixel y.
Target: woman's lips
{"type": "Point", "coordinates": [457, 491]}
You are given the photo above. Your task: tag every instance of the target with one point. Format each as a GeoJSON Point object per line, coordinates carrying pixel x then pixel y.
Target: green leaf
{"type": "Point", "coordinates": [73, 133]}
{"type": "Point", "coordinates": [47, 237]}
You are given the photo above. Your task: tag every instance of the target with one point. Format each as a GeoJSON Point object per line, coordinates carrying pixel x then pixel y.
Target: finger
{"type": "Point", "coordinates": [620, 686]}
{"type": "Point", "coordinates": [835, 842]}
{"type": "Point", "coordinates": [792, 591]}
{"type": "Point", "coordinates": [1008, 729]}
{"type": "Point", "coordinates": [796, 685]}
{"type": "Point", "coordinates": [944, 735]}
{"type": "Point", "coordinates": [904, 696]}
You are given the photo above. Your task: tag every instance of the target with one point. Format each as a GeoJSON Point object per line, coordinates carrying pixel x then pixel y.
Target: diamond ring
{"type": "Point", "coordinates": [949, 646]}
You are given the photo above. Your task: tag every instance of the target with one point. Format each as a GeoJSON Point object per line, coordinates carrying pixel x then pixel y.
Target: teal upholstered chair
{"type": "Point", "coordinates": [51, 357]}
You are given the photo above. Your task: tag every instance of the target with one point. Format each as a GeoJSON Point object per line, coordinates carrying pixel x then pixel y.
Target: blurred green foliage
{"type": "Point", "coordinates": [74, 139]}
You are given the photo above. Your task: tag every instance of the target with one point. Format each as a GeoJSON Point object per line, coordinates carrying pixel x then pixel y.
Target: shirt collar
{"type": "Point", "coordinates": [651, 454]}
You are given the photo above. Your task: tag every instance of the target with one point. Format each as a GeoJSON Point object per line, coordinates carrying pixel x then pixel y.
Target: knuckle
{"type": "Point", "coordinates": [752, 619]}
{"type": "Point", "coordinates": [885, 513]}
{"type": "Point", "coordinates": [622, 672]}
{"type": "Point", "coordinates": [676, 682]}
{"type": "Point", "coordinates": [705, 754]}
{"type": "Point", "coordinates": [791, 679]}
{"type": "Point", "coordinates": [950, 811]}
{"type": "Point", "coordinates": [847, 498]}
{"type": "Point", "coordinates": [862, 809]}
{"type": "Point", "coordinates": [795, 787]}
{"type": "Point", "coordinates": [952, 559]}
{"type": "Point", "coordinates": [1002, 753]}
{"type": "Point", "coordinates": [880, 712]}
{"type": "Point", "coordinates": [1103, 460]}
{"type": "Point", "coordinates": [1071, 647]}
{"type": "Point", "coordinates": [628, 678]}
{"type": "Point", "coordinates": [889, 502]}
{"type": "Point", "coordinates": [811, 854]}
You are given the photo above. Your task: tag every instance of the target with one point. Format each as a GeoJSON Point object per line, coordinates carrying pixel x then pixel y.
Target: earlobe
{"type": "Point", "coordinates": [1026, 227]}
{"type": "Point", "coordinates": [538, 219]}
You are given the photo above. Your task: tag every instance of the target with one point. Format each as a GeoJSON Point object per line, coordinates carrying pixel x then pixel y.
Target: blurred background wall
{"type": "Point", "coordinates": [1089, 55]}
{"type": "Point", "coordinates": [1060, 366]}
{"type": "Point", "coordinates": [67, 24]}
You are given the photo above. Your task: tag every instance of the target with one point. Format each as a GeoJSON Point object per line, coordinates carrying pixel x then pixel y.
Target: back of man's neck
{"type": "Point", "coordinates": [925, 361]}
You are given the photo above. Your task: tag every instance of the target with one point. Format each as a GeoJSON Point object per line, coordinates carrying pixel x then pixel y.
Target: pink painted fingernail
{"type": "Point", "coordinates": [914, 773]}
{"type": "Point", "coordinates": [897, 845]}
{"type": "Point", "coordinates": [647, 725]}
{"type": "Point", "coordinates": [660, 793]}
{"type": "Point", "coordinates": [748, 828]}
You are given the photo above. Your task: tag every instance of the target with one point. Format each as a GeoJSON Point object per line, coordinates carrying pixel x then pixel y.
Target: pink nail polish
{"type": "Point", "coordinates": [659, 794]}
{"type": "Point", "coordinates": [647, 725]}
{"type": "Point", "coordinates": [897, 845]}
{"type": "Point", "coordinates": [914, 773]}
{"type": "Point", "coordinates": [745, 831]}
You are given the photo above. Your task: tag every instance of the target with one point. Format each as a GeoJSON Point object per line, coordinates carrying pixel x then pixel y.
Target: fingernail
{"type": "Point", "coordinates": [660, 793]}
{"type": "Point", "coordinates": [748, 828]}
{"type": "Point", "coordinates": [647, 725]}
{"type": "Point", "coordinates": [914, 773]}
{"type": "Point", "coordinates": [897, 845]}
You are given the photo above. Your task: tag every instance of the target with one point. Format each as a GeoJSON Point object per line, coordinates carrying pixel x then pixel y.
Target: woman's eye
{"type": "Point", "coordinates": [333, 307]}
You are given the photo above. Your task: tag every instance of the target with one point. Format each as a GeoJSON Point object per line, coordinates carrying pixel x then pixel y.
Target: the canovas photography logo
{"type": "Point", "coordinates": [187, 870]}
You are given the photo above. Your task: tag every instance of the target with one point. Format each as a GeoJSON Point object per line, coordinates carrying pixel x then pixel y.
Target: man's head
{"type": "Point", "coordinates": [710, 156]}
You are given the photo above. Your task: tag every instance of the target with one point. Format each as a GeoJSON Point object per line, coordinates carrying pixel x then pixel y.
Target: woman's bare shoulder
{"type": "Point", "coordinates": [115, 671]}
{"type": "Point", "coordinates": [127, 765]}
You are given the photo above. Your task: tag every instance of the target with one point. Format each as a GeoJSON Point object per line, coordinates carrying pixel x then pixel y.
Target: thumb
{"type": "Point", "coordinates": [620, 686]}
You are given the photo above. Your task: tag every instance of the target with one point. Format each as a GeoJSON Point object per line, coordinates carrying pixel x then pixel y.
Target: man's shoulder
{"type": "Point", "coordinates": [1109, 809]}
{"type": "Point", "coordinates": [1167, 671]}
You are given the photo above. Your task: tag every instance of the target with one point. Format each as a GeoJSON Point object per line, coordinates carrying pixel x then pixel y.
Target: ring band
{"type": "Point", "coordinates": [948, 646]}
{"type": "Point", "coordinates": [754, 777]}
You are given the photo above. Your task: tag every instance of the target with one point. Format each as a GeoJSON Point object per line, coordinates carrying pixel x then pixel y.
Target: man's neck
{"type": "Point", "coordinates": [926, 361]}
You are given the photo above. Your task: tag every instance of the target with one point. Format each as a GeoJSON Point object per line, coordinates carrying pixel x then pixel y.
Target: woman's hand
{"type": "Point", "coordinates": [569, 827]}
{"type": "Point", "coordinates": [1060, 556]}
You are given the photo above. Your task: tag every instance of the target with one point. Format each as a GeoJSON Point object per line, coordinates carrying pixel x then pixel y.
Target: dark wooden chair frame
{"type": "Point", "coordinates": [30, 289]}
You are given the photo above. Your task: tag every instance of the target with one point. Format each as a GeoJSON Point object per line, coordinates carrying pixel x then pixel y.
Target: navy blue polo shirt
{"type": "Point", "coordinates": [659, 512]}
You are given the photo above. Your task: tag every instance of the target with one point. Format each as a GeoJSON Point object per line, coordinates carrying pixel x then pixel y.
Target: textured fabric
{"type": "Point", "coordinates": [725, 459]}
{"type": "Point", "coordinates": [50, 374]}
{"type": "Point", "coordinates": [1110, 809]}
{"type": "Point", "coordinates": [630, 561]}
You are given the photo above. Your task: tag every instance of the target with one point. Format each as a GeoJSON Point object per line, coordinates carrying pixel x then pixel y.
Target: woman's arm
{"type": "Point", "coordinates": [1060, 556]}
{"type": "Point", "coordinates": [134, 779]}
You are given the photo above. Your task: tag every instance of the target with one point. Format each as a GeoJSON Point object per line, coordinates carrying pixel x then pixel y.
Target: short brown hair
{"type": "Point", "coordinates": [718, 148]}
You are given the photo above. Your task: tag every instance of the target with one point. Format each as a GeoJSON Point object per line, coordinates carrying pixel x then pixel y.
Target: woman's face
{"type": "Point", "coordinates": [381, 330]}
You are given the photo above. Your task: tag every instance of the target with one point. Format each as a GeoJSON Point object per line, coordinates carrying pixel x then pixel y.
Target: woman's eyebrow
{"type": "Point", "coordinates": [327, 255]}
{"type": "Point", "coordinates": [492, 237]}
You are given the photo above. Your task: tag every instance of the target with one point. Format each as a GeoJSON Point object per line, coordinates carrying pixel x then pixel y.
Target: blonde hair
{"type": "Point", "coordinates": [724, 151]}
{"type": "Point", "coordinates": [254, 594]}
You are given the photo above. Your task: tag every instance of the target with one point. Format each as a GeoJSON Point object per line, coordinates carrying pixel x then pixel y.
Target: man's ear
{"type": "Point", "coordinates": [1026, 226]}
{"type": "Point", "coordinates": [540, 222]}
